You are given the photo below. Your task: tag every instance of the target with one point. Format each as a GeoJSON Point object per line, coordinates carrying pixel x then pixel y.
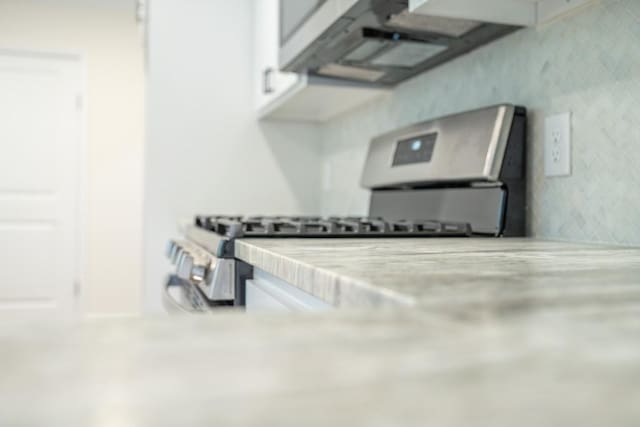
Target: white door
{"type": "Point", "coordinates": [40, 136]}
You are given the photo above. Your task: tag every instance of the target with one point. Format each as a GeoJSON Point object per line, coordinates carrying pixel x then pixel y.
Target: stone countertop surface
{"type": "Point", "coordinates": [434, 273]}
{"type": "Point", "coordinates": [410, 367]}
{"type": "Point", "coordinates": [525, 333]}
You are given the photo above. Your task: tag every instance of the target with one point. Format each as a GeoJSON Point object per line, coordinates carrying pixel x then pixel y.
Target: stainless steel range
{"type": "Point", "coordinates": [457, 176]}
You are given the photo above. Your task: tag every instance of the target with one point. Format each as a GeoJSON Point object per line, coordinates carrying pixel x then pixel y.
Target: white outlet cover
{"type": "Point", "coordinates": [557, 145]}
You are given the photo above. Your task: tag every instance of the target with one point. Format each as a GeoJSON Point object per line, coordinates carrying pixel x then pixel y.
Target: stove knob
{"type": "Point", "coordinates": [175, 253]}
{"type": "Point", "coordinates": [169, 248]}
{"type": "Point", "coordinates": [185, 265]}
{"type": "Point", "coordinates": [199, 273]}
{"type": "Point", "coordinates": [180, 253]}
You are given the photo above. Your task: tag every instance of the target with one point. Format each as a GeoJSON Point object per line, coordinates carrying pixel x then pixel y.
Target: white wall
{"type": "Point", "coordinates": [205, 151]}
{"type": "Point", "coordinates": [105, 33]}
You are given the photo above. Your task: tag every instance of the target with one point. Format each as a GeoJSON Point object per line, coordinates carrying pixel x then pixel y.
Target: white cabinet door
{"type": "Point", "coordinates": [269, 82]}
{"type": "Point", "coordinates": [267, 293]}
{"type": "Point", "coordinates": [40, 133]}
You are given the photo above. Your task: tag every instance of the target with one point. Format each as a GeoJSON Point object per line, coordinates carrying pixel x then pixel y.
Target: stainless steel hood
{"type": "Point", "coordinates": [373, 41]}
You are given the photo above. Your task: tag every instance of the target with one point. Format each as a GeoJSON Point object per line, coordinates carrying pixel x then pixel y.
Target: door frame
{"type": "Point", "coordinates": [80, 229]}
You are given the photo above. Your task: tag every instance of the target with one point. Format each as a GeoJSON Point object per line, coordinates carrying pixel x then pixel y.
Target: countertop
{"type": "Point", "coordinates": [455, 272]}
{"type": "Point", "coordinates": [449, 333]}
{"type": "Point", "coordinates": [373, 368]}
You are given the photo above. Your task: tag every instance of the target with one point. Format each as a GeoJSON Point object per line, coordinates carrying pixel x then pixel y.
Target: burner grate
{"type": "Point", "coordinates": [313, 226]}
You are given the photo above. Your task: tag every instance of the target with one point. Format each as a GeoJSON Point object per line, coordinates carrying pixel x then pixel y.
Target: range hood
{"type": "Point", "coordinates": [377, 41]}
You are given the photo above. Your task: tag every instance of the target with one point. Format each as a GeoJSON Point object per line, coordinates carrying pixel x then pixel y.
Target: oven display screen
{"type": "Point", "coordinates": [418, 149]}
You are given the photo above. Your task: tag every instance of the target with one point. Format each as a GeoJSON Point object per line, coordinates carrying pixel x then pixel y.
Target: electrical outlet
{"type": "Point", "coordinates": [557, 145]}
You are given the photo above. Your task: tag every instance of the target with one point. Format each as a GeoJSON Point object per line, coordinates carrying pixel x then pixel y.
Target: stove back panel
{"type": "Point", "coordinates": [460, 148]}
{"type": "Point", "coordinates": [483, 208]}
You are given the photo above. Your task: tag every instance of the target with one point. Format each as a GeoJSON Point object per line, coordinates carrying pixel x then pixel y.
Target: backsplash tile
{"type": "Point", "coordinates": [587, 63]}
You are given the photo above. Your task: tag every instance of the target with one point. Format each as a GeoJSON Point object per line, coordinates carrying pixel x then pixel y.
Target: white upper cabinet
{"type": "Point", "coordinates": [290, 96]}
{"type": "Point", "coordinates": [269, 82]}
{"type": "Point", "coordinates": [514, 12]}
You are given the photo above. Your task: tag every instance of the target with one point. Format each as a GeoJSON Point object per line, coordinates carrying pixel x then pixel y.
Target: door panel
{"type": "Point", "coordinates": [267, 19]}
{"type": "Point", "coordinates": [40, 134]}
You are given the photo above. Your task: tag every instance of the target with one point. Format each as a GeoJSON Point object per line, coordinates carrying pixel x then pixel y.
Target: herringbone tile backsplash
{"type": "Point", "coordinates": [587, 63]}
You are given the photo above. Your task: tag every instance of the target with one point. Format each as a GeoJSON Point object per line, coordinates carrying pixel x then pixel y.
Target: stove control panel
{"type": "Point", "coordinates": [464, 148]}
{"type": "Point", "coordinates": [192, 262]}
{"type": "Point", "coordinates": [418, 149]}
{"type": "Point", "coordinates": [214, 277]}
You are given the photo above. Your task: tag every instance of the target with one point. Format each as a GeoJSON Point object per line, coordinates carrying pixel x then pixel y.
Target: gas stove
{"type": "Point", "coordinates": [457, 176]}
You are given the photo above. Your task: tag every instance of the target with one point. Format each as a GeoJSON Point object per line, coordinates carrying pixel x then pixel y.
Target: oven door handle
{"type": "Point", "coordinates": [196, 303]}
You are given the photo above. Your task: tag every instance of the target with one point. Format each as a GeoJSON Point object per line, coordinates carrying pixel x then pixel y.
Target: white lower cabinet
{"type": "Point", "coordinates": [266, 293]}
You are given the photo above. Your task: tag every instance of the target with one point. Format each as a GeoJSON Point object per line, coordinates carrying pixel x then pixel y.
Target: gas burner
{"type": "Point", "coordinates": [300, 226]}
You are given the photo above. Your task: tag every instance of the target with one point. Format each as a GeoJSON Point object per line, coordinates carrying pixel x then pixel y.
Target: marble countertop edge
{"type": "Point", "coordinates": [254, 255]}
{"type": "Point", "coordinates": [386, 273]}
